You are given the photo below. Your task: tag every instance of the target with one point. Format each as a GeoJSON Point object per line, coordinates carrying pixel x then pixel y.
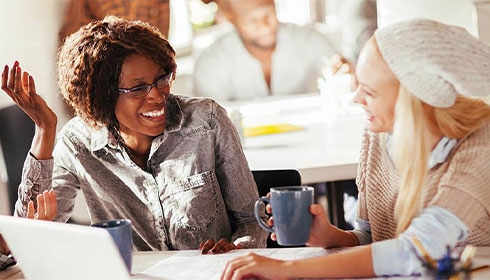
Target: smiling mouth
{"type": "Point", "coordinates": [369, 115]}
{"type": "Point", "coordinates": [154, 114]}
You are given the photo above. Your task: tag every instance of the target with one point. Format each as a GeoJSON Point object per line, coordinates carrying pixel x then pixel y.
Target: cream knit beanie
{"type": "Point", "coordinates": [436, 61]}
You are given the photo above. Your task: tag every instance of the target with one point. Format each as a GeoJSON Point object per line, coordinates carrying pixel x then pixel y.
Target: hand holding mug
{"type": "Point", "coordinates": [291, 216]}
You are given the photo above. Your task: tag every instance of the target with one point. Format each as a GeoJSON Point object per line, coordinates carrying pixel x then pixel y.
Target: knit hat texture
{"type": "Point", "coordinates": [436, 61]}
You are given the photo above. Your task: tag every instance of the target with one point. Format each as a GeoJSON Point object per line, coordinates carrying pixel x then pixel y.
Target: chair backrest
{"type": "Point", "coordinates": [266, 179]}
{"type": "Point", "coordinates": [16, 132]}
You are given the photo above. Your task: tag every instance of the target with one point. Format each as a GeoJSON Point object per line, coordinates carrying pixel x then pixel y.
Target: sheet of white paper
{"type": "Point", "coordinates": [194, 265]}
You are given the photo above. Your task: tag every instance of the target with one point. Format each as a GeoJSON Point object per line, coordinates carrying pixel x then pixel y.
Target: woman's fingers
{"type": "Point", "coordinates": [11, 78]}
{"type": "Point", "coordinates": [41, 213]}
{"type": "Point", "coordinates": [14, 82]}
{"type": "Point", "coordinates": [31, 88]}
{"type": "Point", "coordinates": [47, 206]}
{"type": "Point", "coordinates": [30, 210]}
{"type": "Point", "coordinates": [206, 246]}
{"type": "Point", "coordinates": [268, 209]}
{"type": "Point", "coordinates": [5, 75]}
{"type": "Point", "coordinates": [228, 247]}
{"type": "Point", "coordinates": [21, 88]}
{"type": "Point", "coordinates": [273, 237]}
{"type": "Point", "coordinates": [51, 204]}
{"type": "Point", "coordinates": [234, 265]}
{"type": "Point", "coordinates": [253, 265]}
{"type": "Point", "coordinates": [317, 210]}
{"type": "Point", "coordinates": [18, 82]}
{"type": "Point", "coordinates": [8, 78]}
{"type": "Point", "coordinates": [220, 246]}
{"type": "Point", "coordinates": [270, 221]}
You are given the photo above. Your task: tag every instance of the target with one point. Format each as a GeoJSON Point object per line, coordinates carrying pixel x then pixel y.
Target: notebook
{"type": "Point", "coordinates": [51, 250]}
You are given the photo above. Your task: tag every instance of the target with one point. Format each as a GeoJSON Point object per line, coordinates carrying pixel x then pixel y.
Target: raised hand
{"type": "Point", "coordinates": [47, 207]}
{"type": "Point", "coordinates": [21, 88]}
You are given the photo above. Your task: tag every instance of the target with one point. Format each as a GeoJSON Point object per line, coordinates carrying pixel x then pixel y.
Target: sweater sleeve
{"type": "Point", "coordinates": [464, 188]}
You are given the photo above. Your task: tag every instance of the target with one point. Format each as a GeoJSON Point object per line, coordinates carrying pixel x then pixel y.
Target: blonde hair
{"type": "Point", "coordinates": [414, 123]}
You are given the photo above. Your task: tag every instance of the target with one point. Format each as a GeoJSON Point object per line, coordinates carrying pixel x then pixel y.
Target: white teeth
{"type": "Point", "coordinates": [154, 113]}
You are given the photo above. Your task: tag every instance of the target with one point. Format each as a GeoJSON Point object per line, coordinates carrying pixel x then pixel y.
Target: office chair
{"type": "Point", "coordinates": [16, 133]}
{"type": "Point", "coordinates": [266, 179]}
{"type": "Point", "coordinates": [335, 192]}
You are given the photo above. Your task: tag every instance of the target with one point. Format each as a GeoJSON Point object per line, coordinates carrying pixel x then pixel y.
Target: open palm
{"type": "Point", "coordinates": [21, 88]}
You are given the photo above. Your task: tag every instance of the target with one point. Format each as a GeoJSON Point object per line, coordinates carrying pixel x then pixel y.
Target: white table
{"type": "Point", "coordinates": [327, 149]}
{"type": "Point", "coordinates": [188, 261]}
{"type": "Point", "coordinates": [185, 263]}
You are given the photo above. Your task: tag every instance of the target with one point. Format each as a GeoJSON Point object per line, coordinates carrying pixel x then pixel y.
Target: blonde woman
{"type": "Point", "coordinates": [424, 170]}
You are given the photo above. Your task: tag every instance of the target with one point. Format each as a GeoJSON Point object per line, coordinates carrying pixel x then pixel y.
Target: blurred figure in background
{"type": "Point", "coordinates": [261, 57]}
{"type": "Point", "coordinates": [81, 12]}
{"type": "Point", "coordinates": [358, 22]}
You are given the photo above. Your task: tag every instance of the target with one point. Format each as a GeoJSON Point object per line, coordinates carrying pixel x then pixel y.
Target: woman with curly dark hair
{"type": "Point", "coordinates": [171, 164]}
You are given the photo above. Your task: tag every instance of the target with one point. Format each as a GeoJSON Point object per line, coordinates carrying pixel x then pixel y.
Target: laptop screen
{"type": "Point", "coordinates": [52, 250]}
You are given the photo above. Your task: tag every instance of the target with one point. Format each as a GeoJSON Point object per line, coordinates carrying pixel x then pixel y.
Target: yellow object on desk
{"type": "Point", "coordinates": [269, 129]}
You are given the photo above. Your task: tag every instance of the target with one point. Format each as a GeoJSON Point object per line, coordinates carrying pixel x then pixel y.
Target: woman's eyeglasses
{"type": "Point", "coordinates": [143, 90]}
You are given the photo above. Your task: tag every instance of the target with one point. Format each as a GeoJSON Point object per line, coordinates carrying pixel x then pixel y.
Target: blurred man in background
{"type": "Point", "coordinates": [261, 56]}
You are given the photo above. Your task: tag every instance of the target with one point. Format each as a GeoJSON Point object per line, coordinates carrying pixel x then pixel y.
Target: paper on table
{"type": "Point", "coordinates": [269, 129]}
{"type": "Point", "coordinates": [194, 265]}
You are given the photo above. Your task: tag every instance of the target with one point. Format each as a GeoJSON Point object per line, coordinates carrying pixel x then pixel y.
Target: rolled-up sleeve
{"type": "Point", "coordinates": [400, 256]}
{"type": "Point", "coordinates": [36, 178]}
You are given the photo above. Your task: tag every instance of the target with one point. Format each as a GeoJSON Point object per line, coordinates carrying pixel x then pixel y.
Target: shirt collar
{"type": "Point", "coordinates": [441, 151]}
{"type": "Point", "coordinates": [438, 155]}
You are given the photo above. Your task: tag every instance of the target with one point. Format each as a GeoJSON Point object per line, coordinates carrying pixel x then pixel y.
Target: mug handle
{"type": "Point", "coordinates": [261, 222]}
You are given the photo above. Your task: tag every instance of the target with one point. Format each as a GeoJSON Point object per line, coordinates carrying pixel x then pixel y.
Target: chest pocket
{"type": "Point", "coordinates": [194, 201]}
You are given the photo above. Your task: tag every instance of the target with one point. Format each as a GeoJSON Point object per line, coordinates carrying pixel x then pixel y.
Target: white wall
{"type": "Point", "coordinates": [29, 30]}
{"type": "Point", "coordinates": [456, 12]}
{"type": "Point", "coordinates": [483, 15]}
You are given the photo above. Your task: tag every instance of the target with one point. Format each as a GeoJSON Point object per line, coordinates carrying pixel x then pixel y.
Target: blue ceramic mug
{"type": "Point", "coordinates": [291, 213]}
{"type": "Point", "coordinates": [120, 231]}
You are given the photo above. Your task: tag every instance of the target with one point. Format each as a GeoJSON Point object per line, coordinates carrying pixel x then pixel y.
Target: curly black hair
{"type": "Point", "coordinates": [90, 62]}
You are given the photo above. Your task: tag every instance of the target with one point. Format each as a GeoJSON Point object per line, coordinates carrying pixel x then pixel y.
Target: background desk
{"type": "Point", "coordinates": [327, 147]}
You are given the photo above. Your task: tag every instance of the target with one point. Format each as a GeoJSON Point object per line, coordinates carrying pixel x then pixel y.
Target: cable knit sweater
{"type": "Point", "coordinates": [461, 185]}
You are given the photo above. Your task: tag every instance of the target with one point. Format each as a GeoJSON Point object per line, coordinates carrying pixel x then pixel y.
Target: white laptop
{"type": "Point", "coordinates": [52, 250]}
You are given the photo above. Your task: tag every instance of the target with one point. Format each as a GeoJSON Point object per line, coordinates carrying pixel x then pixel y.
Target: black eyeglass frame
{"type": "Point", "coordinates": [140, 91]}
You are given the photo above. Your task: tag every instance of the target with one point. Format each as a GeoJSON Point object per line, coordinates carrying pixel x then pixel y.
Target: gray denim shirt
{"type": "Point", "coordinates": [198, 184]}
